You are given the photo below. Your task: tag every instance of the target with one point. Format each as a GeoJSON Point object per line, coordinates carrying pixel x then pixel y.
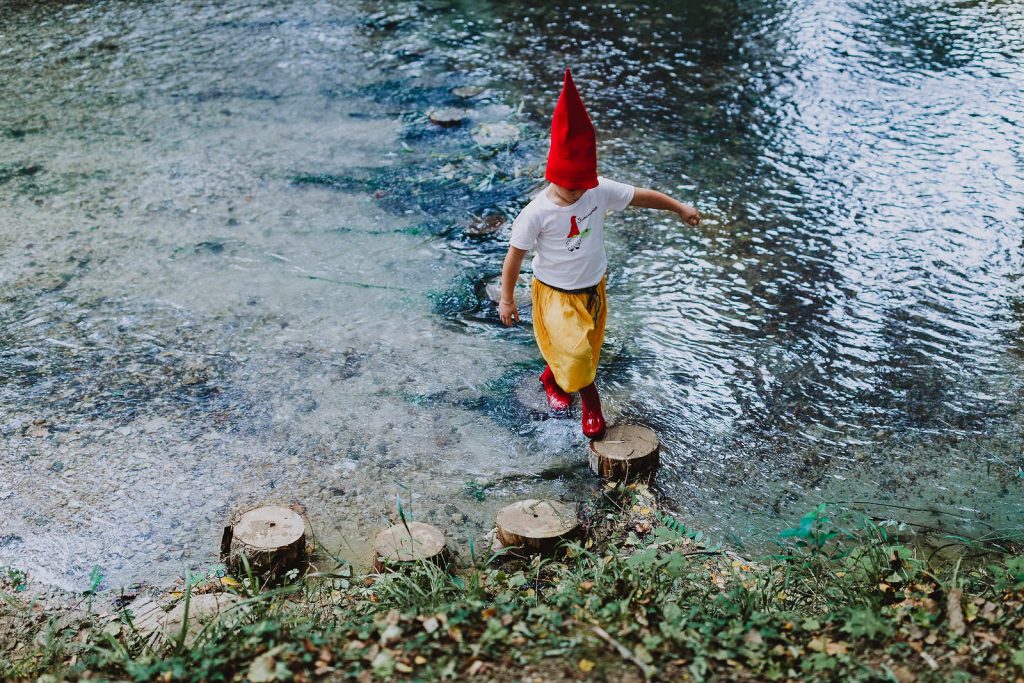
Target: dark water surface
{"type": "Point", "coordinates": [240, 265]}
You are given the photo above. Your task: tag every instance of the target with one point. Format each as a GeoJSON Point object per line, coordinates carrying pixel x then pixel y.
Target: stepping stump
{"type": "Point", "coordinates": [400, 545]}
{"type": "Point", "coordinates": [272, 539]}
{"type": "Point", "coordinates": [536, 525]}
{"type": "Point", "coordinates": [626, 452]}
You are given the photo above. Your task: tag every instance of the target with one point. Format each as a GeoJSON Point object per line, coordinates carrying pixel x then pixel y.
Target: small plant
{"type": "Point", "coordinates": [477, 490]}
{"type": "Point", "coordinates": [96, 578]}
{"type": "Point", "coordinates": [17, 578]}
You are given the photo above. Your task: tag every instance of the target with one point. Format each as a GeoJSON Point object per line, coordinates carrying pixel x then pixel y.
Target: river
{"type": "Point", "coordinates": [240, 265]}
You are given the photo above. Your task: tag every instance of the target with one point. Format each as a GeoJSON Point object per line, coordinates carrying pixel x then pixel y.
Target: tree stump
{"type": "Point", "coordinates": [625, 452]}
{"type": "Point", "coordinates": [485, 225]}
{"type": "Point", "coordinates": [272, 539]}
{"type": "Point", "coordinates": [536, 525]}
{"type": "Point", "coordinates": [398, 545]}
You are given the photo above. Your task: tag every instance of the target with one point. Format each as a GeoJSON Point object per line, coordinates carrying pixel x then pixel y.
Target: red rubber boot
{"type": "Point", "coordinates": [593, 420]}
{"type": "Point", "coordinates": [557, 399]}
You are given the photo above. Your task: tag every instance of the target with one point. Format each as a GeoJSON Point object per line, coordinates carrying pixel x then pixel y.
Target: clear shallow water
{"type": "Point", "coordinates": [236, 267]}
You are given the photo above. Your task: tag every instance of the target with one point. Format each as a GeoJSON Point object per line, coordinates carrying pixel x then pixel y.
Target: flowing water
{"type": "Point", "coordinates": [240, 266]}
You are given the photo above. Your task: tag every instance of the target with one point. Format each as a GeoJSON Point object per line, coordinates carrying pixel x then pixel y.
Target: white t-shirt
{"type": "Point", "coordinates": [569, 240]}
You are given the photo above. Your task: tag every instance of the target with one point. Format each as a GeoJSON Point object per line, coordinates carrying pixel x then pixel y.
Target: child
{"type": "Point", "coordinates": [564, 225]}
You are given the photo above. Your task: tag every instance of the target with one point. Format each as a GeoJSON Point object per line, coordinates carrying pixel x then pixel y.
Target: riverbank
{"type": "Point", "coordinates": [638, 596]}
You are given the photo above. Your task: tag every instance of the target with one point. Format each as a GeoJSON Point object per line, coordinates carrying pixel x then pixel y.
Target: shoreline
{"type": "Point", "coordinates": [638, 596]}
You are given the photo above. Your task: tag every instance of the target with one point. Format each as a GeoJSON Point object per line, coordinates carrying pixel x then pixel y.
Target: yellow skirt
{"type": "Point", "coordinates": [570, 330]}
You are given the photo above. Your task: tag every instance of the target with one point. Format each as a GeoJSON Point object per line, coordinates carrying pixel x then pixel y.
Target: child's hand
{"type": "Point", "coordinates": [508, 312]}
{"type": "Point", "coordinates": [689, 214]}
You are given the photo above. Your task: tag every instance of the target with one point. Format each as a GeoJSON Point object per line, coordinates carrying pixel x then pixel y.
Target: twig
{"type": "Point", "coordinates": [647, 670]}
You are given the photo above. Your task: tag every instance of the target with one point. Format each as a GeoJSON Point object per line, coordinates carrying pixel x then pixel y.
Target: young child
{"type": "Point", "coordinates": [564, 225]}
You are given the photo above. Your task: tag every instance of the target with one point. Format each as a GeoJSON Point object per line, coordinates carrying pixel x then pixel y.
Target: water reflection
{"type": "Point", "coordinates": [853, 159]}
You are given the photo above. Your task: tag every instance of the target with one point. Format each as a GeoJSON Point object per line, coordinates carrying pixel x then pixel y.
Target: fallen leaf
{"type": "Point", "coordinates": [904, 675]}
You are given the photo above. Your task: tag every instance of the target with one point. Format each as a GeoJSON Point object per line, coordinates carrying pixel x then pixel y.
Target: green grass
{"type": "Point", "coordinates": [639, 595]}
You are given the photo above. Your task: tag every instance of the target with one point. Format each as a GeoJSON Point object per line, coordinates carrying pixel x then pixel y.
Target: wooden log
{"type": "Point", "coordinates": [625, 452]}
{"type": "Point", "coordinates": [402, 544]}
{"type": "Point", "coordinates": [144, 616]}
{"type": "Point", "coordinates": [536, 525]}
{"type": "Point", "coordinates": [272, 539]}
{"type": "Point", "coordinates": [204, 610]}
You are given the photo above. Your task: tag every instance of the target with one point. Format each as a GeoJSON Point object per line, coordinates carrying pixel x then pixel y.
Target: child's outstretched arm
{"type": "Point", "coordinates": [507, 309]}
{"type": "Point", "coordinates": [652, 199]}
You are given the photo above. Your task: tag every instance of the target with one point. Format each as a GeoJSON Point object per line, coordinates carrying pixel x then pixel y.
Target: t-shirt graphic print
{"type": "Point", "coordinates": [568, 241]}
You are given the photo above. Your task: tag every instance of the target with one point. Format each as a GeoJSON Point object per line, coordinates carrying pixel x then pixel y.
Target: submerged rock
{"type": "Point", "coordinates": [495, 134]}
{"type": "Point", "coordinates": [482, 226]}
{"type": "Point", "coordinates": [450, 117]}
{"type": "Point", "coordinates": [468, 91]}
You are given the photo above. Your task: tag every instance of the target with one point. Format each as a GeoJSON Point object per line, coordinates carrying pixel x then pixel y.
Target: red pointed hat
{"type": "Point", "coordinates": [572, 161]}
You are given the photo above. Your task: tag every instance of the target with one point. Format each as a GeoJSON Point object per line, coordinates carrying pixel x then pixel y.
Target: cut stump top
{"type": "Point", "coordinates": [397, 544]}
{"type": "Point", "coordinates": [626, 442]}
{"type": "Point", "coordinates": [538, 518]}
{"type": "Point", "coordinates": [269, 528]}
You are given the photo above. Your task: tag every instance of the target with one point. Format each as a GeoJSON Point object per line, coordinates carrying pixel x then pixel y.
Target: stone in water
{"type": "Point", "coordinates": [482, 226]}
{"type": "Point", "coordinates": [448, 118]}
{"type": "Point", "coordinates": [495, 134]}
{"type": "Point", "coordinates": [468, 91]}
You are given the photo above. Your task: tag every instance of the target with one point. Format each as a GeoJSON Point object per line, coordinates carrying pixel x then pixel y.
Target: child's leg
{"type": "Point", "coordinates": [569, 329]}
